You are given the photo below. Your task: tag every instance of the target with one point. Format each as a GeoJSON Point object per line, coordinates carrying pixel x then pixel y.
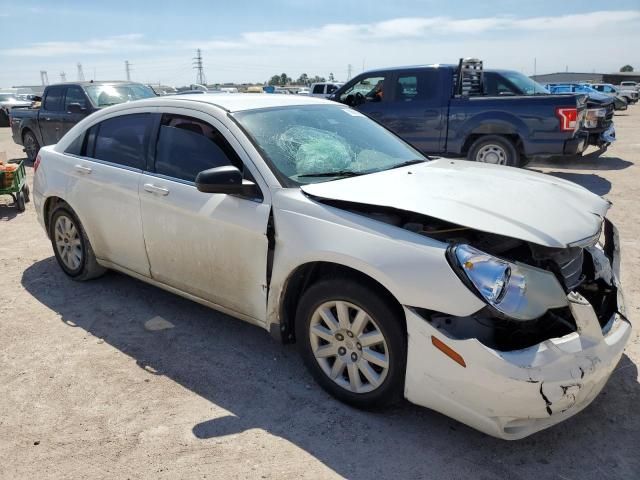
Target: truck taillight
{"type": "Point", "coordinates": [568, 118]}
{"type": "Point", "coordinates": [36, 164]}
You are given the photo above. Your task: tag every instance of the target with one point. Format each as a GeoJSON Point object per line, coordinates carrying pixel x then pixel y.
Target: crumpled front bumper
{"type": "Point", "coordinates": [513, 394]}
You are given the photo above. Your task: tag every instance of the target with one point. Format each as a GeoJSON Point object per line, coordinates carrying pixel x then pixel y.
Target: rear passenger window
{"type": "Point", "coordinates": [53, 100]}
{"type": "Point", "coordinates": [186, 146]}
{"type": "Point", "coordinates": [318, 89]}
{"type": "Point", "coordinates": [418, 86]}
{"type": "Point", "coordinates": [122, 140]}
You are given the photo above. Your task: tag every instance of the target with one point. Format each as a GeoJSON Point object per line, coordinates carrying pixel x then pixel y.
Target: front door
{"type": "Point", "coordinates": [213, 246]}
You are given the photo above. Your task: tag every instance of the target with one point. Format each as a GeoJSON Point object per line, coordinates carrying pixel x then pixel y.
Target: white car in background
{"type": "Point", "coordinates": [324, 89]}
{"type": "Point", "coordinates": [487, 293]}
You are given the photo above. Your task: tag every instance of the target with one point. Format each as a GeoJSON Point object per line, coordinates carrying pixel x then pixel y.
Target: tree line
{"type": "Point", "coordinates": [304, 79]}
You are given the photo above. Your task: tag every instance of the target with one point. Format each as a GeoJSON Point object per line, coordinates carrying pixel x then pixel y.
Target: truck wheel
{"type": "Point", "coordinates": [31, 145]}
{"type": "Point", "coordinates": [4, 119]}
{"type": "Point", "coordinates": [494, 149]}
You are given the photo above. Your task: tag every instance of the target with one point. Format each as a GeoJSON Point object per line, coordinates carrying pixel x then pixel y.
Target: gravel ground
{"type": "Point", "coordinates": [93, 384]}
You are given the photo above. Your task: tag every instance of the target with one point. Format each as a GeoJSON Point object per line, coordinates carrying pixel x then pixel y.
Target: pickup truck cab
{"type": "Point", "coordinates": [462, 110]}
{"type": "Point", "coordinates": [64, 105]}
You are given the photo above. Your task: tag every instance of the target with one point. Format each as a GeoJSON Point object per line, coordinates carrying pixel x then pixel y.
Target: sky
{"type": "Point", "coordinates": [249, 41]}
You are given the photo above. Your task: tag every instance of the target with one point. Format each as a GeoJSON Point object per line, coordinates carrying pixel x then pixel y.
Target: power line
{"type": "Point", "coordinates": [197, 64]}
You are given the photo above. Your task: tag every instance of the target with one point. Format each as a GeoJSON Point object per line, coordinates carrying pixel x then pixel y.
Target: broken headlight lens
{"type": "Point", "coordinates": [592, 116]}
{"type": "Point", "coordinates": [518, 291]}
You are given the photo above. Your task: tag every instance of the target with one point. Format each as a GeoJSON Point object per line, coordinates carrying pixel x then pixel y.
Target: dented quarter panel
{"type": "Point", "coordinates": [412, 267]}
{"type": "Point", "coordinates": [537, 208]}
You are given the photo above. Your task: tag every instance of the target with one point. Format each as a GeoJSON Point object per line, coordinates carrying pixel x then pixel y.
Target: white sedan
{"type": "Point", "coordinates": [487, 293]}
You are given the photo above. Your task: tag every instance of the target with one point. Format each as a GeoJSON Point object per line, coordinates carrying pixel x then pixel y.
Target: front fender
{"type": "Point", "coordinates": [412, 267]}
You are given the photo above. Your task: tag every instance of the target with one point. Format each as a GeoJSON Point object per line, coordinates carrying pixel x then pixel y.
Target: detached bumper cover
{"type": "Point", "coordinates": [513, 394]}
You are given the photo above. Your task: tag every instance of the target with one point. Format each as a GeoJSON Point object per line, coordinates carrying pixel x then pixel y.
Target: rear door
{"type": "Point", "coordinates": [213, 246]}
{"type": "Point", "coordinates": [74, 94]}
{"type": "Point", "coordinates": [52, 115]}
{"type": "Point", "coordinates": [416, 101]}
{"type": "Point", "coordinates": [104, 190]}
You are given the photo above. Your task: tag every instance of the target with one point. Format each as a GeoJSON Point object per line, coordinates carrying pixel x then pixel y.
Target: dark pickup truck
{"type": "Point", "coordinates": [65, 104]}
{"type": "Point", "coordinates": [463, 110]}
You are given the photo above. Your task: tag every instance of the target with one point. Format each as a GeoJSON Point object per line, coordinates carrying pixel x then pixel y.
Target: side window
{"type": "Point", "coordinates": [75, 147]}
{"type": "Point", "coordinates": [74, 95]}
{"type": "Point", "coordinates": [186, 146]}
{"type": "Point", "coordinates": [368, 89]}
{"type": "Point", "coordinates": [331, 88]}
{"type": "Point", "coordinates": [418, 86]}
{"type": "Point", "coordinates": [495, 85]}
{"type": "Point", "coordinates": [122, 140]}
{"type": "Point", "coordinates": [318, 88]}
{"type": "Point", "coordinates": [53, 100]}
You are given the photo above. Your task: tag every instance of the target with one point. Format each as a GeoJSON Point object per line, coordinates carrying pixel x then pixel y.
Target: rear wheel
{"type": "Point", "coordinates": [494, 149]}
{"type": "Point", "coordinates": [71, 245]}
{"type": "Point", "coordinates": [353, 342]}
{"type": "Point", "coordinates": [4, 119]}
{"type": "Point", "coordinates": [31, 145]}
{"type": "Point", "coordinates": [20, 202]}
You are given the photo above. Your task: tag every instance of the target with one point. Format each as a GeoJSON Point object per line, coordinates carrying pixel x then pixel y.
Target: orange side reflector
{"type": "Point", "coordinates": [448, 351]}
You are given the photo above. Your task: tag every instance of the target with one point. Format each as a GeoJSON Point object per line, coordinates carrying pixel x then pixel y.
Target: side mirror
{"type": "Point", "coordinates": [227, 179]}
{"type": "Point", "coordinates": [75, 108]}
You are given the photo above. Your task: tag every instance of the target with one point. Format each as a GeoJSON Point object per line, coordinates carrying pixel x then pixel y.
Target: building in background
{"type": "Point", "coordinates": [565, 77]}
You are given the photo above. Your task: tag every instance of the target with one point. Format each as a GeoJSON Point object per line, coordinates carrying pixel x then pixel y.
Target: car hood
{"type": "Point", "coordinates": [517, 203]}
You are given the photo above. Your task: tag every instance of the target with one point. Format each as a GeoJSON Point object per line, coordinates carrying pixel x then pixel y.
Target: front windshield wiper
{"type": "Point", "coordinates": [338, 173]}
{"type": "Point", "coordinates": [409, 162]}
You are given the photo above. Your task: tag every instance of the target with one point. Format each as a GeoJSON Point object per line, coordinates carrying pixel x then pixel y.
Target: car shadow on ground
{"type": "Point", "coordinates": [264, 385]}
{"type": "Point", "coordinates": [590, 181]}
{"type": "Point", "coordinates": [592, 161]}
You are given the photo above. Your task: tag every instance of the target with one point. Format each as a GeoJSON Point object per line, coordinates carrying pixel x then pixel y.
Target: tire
{"type": "Point", "coordinates": [31, 145]}
{"type": "Point", "coordinates": [359, 381]}
{"type": "Point", "coordinates": [494, 149]}
{"type": "Point", "coordinates": [20, 203]}
{"type": "Point", "coordinates": [4, 119]}
{"type": "Point", "coordinates": [75, 255]}
{"type": "Point", "coordinates": [27, 193]}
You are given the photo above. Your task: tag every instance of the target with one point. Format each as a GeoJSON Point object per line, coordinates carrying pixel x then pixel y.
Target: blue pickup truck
{"type": "Point", "coordinates": [493, 116]}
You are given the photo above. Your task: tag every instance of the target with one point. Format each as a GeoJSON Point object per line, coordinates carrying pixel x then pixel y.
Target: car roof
{"type": "Point", "coordinates": [233, 102]}
{"type": "Point", "coordinates": [102, 82]}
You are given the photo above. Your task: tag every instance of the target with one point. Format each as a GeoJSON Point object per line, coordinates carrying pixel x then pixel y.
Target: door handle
{"type": "Point", "coordinates": [151, 188]}
{"type": "Point", "coordinates": [82, 169]}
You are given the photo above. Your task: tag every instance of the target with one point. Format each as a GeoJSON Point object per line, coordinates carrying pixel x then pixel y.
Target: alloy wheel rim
{"type": "Point", "coordinates": [494, 154]}
{"type": "Point", "coordinates": [349, 346]}
{"type": "Point", "coordinates": [68, 242]}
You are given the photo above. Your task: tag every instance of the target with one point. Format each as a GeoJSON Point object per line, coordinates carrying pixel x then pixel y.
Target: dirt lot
{"type": "Point", "coordinates": [89, 389]}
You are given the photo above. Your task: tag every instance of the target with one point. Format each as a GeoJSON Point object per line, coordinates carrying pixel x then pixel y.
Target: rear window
{"type": "Point", "coordinates": [122, 140]}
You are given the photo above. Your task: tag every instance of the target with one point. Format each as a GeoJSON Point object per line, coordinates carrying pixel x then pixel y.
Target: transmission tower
{"type": "Point", "coordinates": [63, 77]}
{"type": "Point", "coordinates": [44, 77]}
{"type": "Point", "coordinates": [80, 73]}
{"type": "Point", "coordinates": [127, 68]}
{"type": "Point", "coordinates": [197, 64]}
{"type": "Point", "coordinates": [349, 67]}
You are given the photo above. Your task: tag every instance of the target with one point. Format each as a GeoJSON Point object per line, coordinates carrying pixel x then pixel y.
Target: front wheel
{"type": "Point", "coordinates": [494, 149]}
{"type": "Point", "coordinates": [353, 342]}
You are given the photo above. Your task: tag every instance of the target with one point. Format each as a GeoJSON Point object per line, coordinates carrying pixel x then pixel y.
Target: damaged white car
{"type": "Point", "coordinates": [487, 293]}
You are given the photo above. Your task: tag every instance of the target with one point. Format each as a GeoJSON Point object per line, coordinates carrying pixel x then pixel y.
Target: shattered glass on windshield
{"type": "Point", "coordinates": [306, 143]}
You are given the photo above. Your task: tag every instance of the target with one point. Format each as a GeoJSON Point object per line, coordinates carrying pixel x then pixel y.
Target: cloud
{"type": "Point", "coordinates": [108, 45]}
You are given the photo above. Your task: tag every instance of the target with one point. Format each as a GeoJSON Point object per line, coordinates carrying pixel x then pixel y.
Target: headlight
{"type": "Point", "coordinates": [592, 116]}
{"type": "Point", "coordinates": [518, 291]}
